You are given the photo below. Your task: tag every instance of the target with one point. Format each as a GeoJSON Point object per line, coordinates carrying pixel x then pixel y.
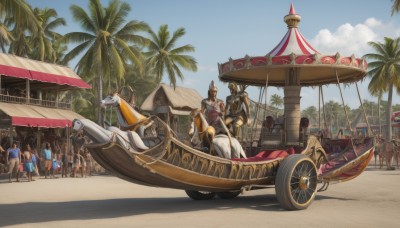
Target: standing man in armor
{"type": "Point", "coordinates": [235, 115]}
{"type": "Point", "coordinates": [213, 108]}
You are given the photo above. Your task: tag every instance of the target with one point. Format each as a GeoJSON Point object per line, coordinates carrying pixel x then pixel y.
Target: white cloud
{"type": "Point", "coordinates": [347, 40]}
{"type": "Point", "coordinates": [351, 39]}
{"type": "Point", "coordinates": [373, 23]}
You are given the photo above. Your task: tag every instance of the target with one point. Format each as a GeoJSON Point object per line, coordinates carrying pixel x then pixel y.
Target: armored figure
{"type": "Point", "coordinates": [213, 108]}
{"type": "Point", "coordinates": [235, 114]}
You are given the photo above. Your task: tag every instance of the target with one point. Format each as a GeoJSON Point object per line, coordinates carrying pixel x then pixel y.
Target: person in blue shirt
{"type": "Point", "coordinates": [47, 154]}
{"type": "Point", "coordinates": [13, 159]}
{"type": "Point", "coordinates": [29, 167]}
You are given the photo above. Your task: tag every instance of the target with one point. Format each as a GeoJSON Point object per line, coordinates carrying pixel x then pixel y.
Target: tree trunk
{"type": "Point", "coordinates": [379, 115]}
{"type": "Point", "coordinates": [389, 114]}
{"type": "Point", "coordinates": [99, 110]}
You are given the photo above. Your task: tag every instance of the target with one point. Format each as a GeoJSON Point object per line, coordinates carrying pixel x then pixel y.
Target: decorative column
{"type": "Point", "coordinates": [292, 106]}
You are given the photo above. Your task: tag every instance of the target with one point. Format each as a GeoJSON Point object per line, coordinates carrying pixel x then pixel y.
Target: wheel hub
{"type": "Point", "coordinates": [304, 183]}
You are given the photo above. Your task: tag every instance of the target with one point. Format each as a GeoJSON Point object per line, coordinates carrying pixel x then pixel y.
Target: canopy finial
{"type": "Point", "coordinates": [292, 19]}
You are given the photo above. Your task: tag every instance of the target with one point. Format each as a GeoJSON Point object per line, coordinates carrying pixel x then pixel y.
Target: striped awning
{"type": "Point", "coordinates": [293, 41]}
{"type": "Point", "coordinates": [293, 55]}
{"type": "Point", "coordinates": [15, 66]}
{"type": "Point", "coordinates": [35, 116]}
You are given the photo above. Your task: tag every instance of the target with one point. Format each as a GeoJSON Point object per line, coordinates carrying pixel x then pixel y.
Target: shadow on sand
{"type": "Point", "coordinates": [39, 212]}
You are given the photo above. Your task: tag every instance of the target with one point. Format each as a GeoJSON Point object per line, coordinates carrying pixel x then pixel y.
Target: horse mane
{"type": "Point", "coordinates": [130, 114]}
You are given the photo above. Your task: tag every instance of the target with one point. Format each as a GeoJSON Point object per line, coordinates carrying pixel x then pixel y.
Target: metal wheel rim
{"type": "Point", "coordinates": [303, 182]}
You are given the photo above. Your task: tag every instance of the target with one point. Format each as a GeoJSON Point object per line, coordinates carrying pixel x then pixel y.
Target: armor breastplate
{"type": "Point", "coordinates": [212, 110]}
{"type": "Point", "coordinates": [235, 105]}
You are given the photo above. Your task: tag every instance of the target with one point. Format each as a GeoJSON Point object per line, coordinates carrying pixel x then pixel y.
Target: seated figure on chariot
{"type": "Point", "coordinates": [235, 115]}
{"type": "Point", "coordinates": [213, 108]}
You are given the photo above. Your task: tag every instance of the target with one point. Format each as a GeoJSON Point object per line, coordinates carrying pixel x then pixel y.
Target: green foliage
{"type": "Point", "coordinates": [384, 72]}
{"type": "Point", "coordinates": [107, 44]}
{"type": "Point", "coordinates": [276, 100]}
{"type": "Point", "coordinates": [164, 56]}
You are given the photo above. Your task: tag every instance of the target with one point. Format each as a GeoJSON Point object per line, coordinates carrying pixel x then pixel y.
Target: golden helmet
{"type": "Point", "coordinates": [212, 86]}
{"type": "Point", "coordinates": [232, 85]}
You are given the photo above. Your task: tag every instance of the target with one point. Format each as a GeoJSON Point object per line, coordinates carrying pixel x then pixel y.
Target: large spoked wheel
{"type": "Point", "coordinates": [200, 195]}
{"type": "Point", "coordinates": [228, 195]}
{"type": "Point", "coordinates": [296, 182]}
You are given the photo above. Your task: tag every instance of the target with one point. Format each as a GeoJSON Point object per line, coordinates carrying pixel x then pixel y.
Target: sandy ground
{"type": "Point", "coordinates": [370, 200]}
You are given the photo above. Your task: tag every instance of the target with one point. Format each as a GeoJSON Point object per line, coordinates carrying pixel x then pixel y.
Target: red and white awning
{"type": "Point", "coordinates": [293, 41]}
{"type": "Point", "coordinates": [15, 66]}
{"type": "Point", "coordinates": [35, 116]}
{"type": "Point", "coordinates": [292, 54]}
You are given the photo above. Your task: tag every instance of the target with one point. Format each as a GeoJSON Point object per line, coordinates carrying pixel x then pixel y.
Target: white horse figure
{"type": "Point", "coordinates": [127, 139]}
{"type": "Point", "coordinates": [127, 116]}
{"type": "Point", "coordinates": [223, 145]}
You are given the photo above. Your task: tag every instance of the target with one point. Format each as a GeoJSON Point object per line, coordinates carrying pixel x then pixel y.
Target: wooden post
{"type": "Point", "coordinates": [28, 91]}
{"type": "Point", "coordinates": [319, 107]}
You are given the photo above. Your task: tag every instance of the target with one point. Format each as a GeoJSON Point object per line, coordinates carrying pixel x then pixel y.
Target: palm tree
{"type": "Point", "coordinates": [17, 21]}
{"type": "Point", "coordinates": [276, 100]}
{"type": "Point", "coordinates": [165, 57]}
{"type": "Point", "coordinates": [106, 44]}
{"type": "Point", "coordinates": [384, 73]}
{"type": "Point", "coordinates": [395, 6]}
{"type": "Point", "coordinates": [19, 44]}
{"type": "Point", "coordinates": [20, 11]}
{"type": "Point", "coordinates": [43, 41]}
{"type": "Point", "coordinates": [332, 110]}
{"type": "Point", "coordinates": [311, 113]}
{"type": "Point", "coordinates": [5, 36]}
{"type": "Point", "coordinates": [143, 82]}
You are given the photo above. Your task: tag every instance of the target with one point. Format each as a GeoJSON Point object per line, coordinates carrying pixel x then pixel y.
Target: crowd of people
{"type": "Point", "coordinates": [48, 163]}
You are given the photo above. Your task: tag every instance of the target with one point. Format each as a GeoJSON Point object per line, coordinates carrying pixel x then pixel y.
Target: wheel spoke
{"type": "Point", "coordinates": [309, 171]}
{"type": "Point", "coordinates": [303, 170]}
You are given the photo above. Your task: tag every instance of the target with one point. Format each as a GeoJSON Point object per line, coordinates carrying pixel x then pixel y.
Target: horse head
{"type": "Point", "coordinates": [111, 100]}
{"type": "Point", "coordinates": [93, 131]}
{"type": "Point", "coordinates": [128, 112]}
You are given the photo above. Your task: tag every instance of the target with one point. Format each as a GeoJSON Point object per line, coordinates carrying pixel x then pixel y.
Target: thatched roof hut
{"type": "Point", "coordinates": [173, 106]}
{"type": "Point", "coordinates": [164, 98]}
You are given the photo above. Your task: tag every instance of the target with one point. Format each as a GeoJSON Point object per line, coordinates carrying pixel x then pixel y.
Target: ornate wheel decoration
{"type": "Point", "coordinates": [296, 182]}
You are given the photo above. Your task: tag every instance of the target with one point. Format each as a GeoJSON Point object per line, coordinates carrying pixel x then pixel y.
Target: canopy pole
{"type": "Point", "coordinates": [323, 108]}
{"type": "Point", "coordinates": [345, 111]}
{"type": "Point", "coordinates": [319, 107]}
{"type": "Point", "coordinates": [256, 117]}
{"type": "Point", "coordinates": [266, 97]}
{"type": "Point", "coordinates": [344, 106]}
{"type": "Point", "coordinates": [370, 133]}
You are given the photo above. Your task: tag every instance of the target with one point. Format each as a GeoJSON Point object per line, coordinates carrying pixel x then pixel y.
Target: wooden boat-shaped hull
{"type": "Point", "coordinates": [349, 163]}
{"type": "Point", "coordinates": [172, 164]}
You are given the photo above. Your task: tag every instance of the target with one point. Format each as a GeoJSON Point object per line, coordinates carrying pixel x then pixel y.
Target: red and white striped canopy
{"type": "Point", "coordinates": [293, 41]}
{"type": "Point", "coordinates": [293, 53]}
{"type": "Point", "coordinates": [19, 67]}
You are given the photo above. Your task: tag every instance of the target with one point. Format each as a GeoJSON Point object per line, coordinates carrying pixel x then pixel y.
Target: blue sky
{"type": "Point", "coordinates": [220, 29]}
